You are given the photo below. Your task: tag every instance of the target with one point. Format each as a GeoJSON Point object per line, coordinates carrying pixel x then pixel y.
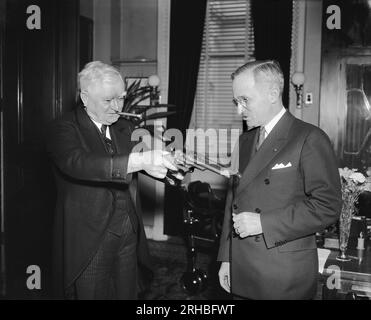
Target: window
{"type": "Point", "coordinates": [227, 43]}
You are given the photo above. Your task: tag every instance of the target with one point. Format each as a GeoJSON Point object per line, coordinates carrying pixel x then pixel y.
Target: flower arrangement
{"type": "Point", "coordinates": [353, 183]}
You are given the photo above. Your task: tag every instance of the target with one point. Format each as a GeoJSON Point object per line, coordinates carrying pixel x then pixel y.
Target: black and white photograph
{"type": "Point", "coordinates": [197, 151]}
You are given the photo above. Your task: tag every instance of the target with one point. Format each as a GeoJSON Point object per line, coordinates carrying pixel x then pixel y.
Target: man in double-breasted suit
{"type": "Point", "coordinates": [99, 238]}
{"type": "Point", "coordinates": [288, 190]}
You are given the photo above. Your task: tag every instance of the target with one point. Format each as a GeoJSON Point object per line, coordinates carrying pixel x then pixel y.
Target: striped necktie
{"type": "Point", "coordinates": [261, 137]}
{"type": "Point", "coordinates": [108, 142]}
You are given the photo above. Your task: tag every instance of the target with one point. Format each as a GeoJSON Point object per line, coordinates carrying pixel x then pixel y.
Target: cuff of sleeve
{"type": "Point", "coordinates": [268, 225]}
{"type": "Point", "coordinates": [119, 169]}
{"type": "Point", "coordinates": [223, 254]}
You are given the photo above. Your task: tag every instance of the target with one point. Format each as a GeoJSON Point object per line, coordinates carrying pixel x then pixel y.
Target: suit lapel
{"type": "Point", "coordinates": [247, 149]}
{"type": "Point", "coordinates": [271, 147]}
{"type": "Point", "coordinates": [90, 131]}
{"type": "Point", "coordinates": [121, 136]}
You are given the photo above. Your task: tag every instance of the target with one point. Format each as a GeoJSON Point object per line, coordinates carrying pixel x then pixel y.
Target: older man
{"type": "Point", "coordinates": [99, 230]}
{"type": "Point", "coordinates": [289, 190]}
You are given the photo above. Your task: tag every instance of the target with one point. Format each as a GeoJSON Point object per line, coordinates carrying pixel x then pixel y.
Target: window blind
{"type": "Point", "coordinates": [228, 41]}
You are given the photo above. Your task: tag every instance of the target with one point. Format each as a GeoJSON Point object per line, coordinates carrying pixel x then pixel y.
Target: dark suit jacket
{"type": "Point", "coordinates": [85, 174]}
{"type": "Point", "coordinates": [294, 203]}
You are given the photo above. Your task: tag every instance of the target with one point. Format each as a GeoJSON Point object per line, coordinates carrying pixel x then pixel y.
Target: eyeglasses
{"type": "Point", "coordinates": [242, 101]}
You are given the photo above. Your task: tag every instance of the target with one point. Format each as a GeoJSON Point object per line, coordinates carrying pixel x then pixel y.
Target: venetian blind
{"type": "Point", "coordinates": [228, 42]}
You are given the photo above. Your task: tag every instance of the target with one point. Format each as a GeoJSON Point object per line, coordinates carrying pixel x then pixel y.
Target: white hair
{"type": "Point", "coordinates": [268, 70]}
{"type": "Point", "coordinates": [96, 71]}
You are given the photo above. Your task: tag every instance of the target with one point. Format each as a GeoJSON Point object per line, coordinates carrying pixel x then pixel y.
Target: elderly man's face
{"type": "Point", "coordinates": [104, 99]}
{"type": "Point", "coordinates": [251, 99]}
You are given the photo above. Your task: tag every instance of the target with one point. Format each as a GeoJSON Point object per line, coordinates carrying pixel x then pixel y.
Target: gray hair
{"type": "Point", "coordinates": [96, 71]}
{"type": "Point", "coordinates": [266, 70]}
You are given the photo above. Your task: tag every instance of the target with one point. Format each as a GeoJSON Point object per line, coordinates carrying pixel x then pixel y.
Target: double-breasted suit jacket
{"type": "Point", "coordinates": [294, 202]}
{"type": "Point", "coordinates": [86, 177]}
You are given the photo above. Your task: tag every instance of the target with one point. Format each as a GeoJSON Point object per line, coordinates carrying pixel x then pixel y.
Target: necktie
{"type": "Point", "coordinates": [108, 142]}
{"type": "Point", "coordinates": [261, 137]}
{"type": "Point", "coordinates": [103, 130]}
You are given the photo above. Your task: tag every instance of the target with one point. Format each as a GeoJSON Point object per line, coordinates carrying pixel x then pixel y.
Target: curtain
{"type": "Point", "coordinates": [272, 32]}
{"type": "Point", "coordinates": [186, 31]}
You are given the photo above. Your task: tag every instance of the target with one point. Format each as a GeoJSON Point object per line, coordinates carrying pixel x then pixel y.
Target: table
{"type": "Point", "coordinates": [350, 280]}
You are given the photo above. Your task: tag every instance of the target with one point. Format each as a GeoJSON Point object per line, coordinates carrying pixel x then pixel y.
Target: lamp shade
{"type": "Point", "coordinates": [298, 78]}
{"type": "Point", "coordinates": [154, 80]}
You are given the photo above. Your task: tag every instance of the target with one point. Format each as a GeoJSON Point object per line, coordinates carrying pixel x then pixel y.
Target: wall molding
{"type": "Point", "coordinates": [163, 52]}
{"type": "Point", "coordinates": [297, 50]}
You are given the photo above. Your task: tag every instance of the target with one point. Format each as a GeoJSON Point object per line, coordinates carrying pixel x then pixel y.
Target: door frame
{"type": "Point", "coordinates": [2, 190]}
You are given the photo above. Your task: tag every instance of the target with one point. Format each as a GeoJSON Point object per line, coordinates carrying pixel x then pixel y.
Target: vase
{"type": "Point", "coordinates": [344, 231]}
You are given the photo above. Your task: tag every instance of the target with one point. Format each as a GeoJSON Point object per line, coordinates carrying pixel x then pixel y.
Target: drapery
{"type": "Point", "coordinates": [186, 31]}
{"type": "Point", "coordinates": [272, 32]}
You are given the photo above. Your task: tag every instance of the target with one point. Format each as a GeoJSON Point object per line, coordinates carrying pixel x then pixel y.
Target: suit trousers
{"type": "Point", "coordinates": [112, 273]}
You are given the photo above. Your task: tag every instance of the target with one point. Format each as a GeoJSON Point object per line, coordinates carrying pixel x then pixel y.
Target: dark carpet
{"type": "Point", "coordinates": [170, 263]}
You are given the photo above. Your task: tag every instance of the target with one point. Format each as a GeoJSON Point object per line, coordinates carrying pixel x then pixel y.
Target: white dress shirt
{"type": "Point", "coordinates": [99, 125]}
{"type": "Point", "coordinates": [270, 125]}
{"type": "Point", "coordinates": [131, 161]}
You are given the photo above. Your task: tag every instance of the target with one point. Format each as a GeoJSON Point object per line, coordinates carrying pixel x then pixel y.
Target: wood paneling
{"type": "Point", "coordinates": [40, 68]}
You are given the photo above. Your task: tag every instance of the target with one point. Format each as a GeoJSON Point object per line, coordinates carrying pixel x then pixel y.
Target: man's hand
{"type": "Point", "coordinates": [224, 277]}
{"type": "Point", "coordinates": [155, 162]}
{"type": "Point", "coordinates": [247, 224]}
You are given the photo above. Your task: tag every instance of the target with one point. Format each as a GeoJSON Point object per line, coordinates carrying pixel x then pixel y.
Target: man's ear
{"type": "Point", "coordinates": [274, 94]}
{"type": "Point", "coordinates": [84, 98]}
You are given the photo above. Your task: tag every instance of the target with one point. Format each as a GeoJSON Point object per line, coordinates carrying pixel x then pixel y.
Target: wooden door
{"type": "Point", "coordinates": [39, 83]}
{"type": "Point", "coordinates": [2, 213]}
{"type": "Point", "coordinates": [345, 112]}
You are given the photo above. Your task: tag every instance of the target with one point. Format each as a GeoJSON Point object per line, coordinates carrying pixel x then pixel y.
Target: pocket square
{"type": "Point", "coordinates": [281, 166]}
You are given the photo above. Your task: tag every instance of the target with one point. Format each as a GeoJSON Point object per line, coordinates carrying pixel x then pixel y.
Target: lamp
{"type": "Point", "coordinates": [298, 79]}
{"type": "Point", "coordinates": [154, 82]}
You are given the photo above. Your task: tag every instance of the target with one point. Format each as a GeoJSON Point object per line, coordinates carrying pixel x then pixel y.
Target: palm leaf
{"type": "Point", "coordinates": [136, 101]}
{"type": "Point", "coordinates": [135, 95]}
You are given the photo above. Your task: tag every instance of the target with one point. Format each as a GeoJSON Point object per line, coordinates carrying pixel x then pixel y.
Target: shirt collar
{"type": "Point", "coordinates": [270, 125]}
{"type": "Point", "coordinates": [99, 125]}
